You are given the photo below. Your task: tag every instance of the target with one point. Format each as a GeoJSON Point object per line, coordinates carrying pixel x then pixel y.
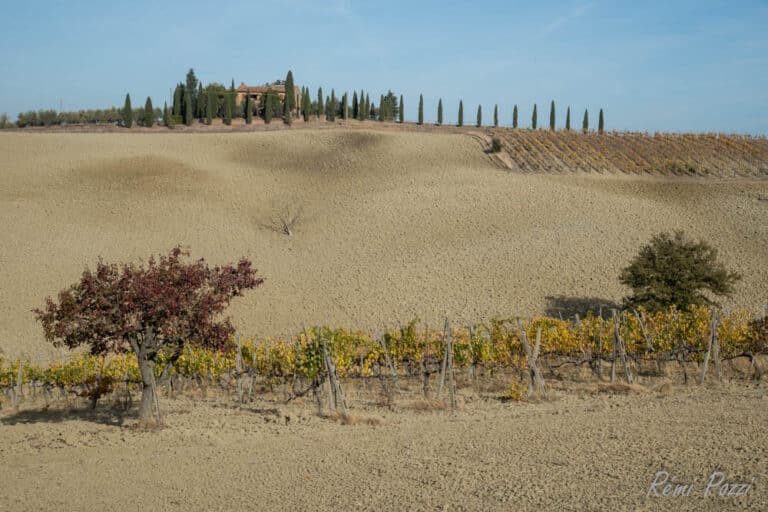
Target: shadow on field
{"type": "Point", "coordinates": [104, 415]}
{"type": "Point", "coordinates": [565, 307]}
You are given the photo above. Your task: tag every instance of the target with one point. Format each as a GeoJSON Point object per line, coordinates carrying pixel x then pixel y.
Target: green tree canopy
{"type": "Point", "coordinates": [461, 113]}
{"type": "Point", "coordinates": [672, 270]}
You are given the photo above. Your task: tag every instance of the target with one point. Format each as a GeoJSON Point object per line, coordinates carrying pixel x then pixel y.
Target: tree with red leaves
{"type": "Point", "coordinates": [149, 309]}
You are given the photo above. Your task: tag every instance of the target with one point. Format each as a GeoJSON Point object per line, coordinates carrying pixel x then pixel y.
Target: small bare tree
{"type": "Point", "coordinates": [286, 219]}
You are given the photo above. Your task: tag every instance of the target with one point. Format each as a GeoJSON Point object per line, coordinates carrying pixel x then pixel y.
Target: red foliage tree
{"type": "Point", "coordinates": [149, 309]}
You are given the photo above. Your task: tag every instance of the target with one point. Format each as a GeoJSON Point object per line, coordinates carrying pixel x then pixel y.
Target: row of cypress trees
{"type": "Point", "coordinates": [148, 115]}
{"type": "Point", "coordinates": [193, 101]}
{"type": "Point", "coordinates": [534, 117]}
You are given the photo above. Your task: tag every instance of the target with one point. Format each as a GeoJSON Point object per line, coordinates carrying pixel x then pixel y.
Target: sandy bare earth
{"type": "Point", "coordinates": [577, 451]}
{"type": "Point", "coordinates": [393, 224]}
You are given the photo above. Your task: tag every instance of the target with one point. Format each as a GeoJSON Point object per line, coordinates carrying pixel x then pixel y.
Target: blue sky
{"type": "Point", "coordinates": [657, 66]}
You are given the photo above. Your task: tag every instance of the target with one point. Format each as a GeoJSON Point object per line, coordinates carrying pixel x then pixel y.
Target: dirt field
{"type": "Point", "coordinates": [580, 450]}
{"type": "Point", "coordinates": [393, 224]}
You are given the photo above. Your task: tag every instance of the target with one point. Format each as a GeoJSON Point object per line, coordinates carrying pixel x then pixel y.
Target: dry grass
{"type": "Point", "coordinates": [663, 388]}
{"type": "Point", "coordinates": [620, 388]}
{"type": "Point", "coordinates": [353, 419]}
{"type": "Point", "coordinates": [427, 405]}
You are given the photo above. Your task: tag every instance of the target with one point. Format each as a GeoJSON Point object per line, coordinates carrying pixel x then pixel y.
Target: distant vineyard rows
{"type": "Point", "coordinates": [634, 153]}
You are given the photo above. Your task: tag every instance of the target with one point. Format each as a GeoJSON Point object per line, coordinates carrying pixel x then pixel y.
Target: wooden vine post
{"type": "Point", "coordinates": [336, 399]}
{"type": "Point", "coordinates": [239, 370]}
{"type": "Point", "coordinates": [716, 344]}
{"type": "Point", "coordinates": [444, 366]}
{"type": "Point", "coordinates": [713, 348]}
{"type": "Point", "coordinates": [618, 346]}
{"type": "Point", "coordinates": [390, 365]}
{"type": "Point", "coordinates": [451, 379]}
{"type": "Point", "coordinates": [532, 354]}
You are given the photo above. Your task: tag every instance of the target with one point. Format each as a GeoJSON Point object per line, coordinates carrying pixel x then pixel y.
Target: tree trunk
{"type": "Point", "coordinates": [147, 368]}
{"type": "Point", "coordinates": [148, 395]}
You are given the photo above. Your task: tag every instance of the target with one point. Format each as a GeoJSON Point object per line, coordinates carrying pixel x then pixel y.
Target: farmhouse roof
{"type": "Point", "coordinates": [261, 88]}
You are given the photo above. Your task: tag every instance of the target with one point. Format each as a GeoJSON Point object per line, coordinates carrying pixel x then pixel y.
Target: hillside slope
{"type": "Point", "coordinates": [393, 224]}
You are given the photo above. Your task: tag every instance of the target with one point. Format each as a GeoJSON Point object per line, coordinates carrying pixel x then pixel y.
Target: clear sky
{"type": "Point", "coordinates": [674, 65]}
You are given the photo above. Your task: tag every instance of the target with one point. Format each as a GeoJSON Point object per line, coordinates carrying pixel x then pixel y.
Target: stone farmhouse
{"type": "Point", "coordinates": [255, 92]}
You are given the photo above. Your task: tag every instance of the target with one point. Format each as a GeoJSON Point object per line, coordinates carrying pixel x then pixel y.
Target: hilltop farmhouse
{"type": "Point", "coordinates": [256, 91]}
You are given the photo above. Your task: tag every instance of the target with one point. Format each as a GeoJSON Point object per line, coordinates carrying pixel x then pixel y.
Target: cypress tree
{"type": "Point", "coordinates": [421, 109]}
{"type": "Point", "coordinates": [585, 122]}
{"type": "Point", "coordinates": [461, 113]}
{"type": "Point", "coordinates": [534, 117]}
{"type": "Point", "coordinates": [514, 117]}
{"type": "Point", "coordinates": [232, 99]}
{"type": "Point", "coordinates": [177, 98]}
{"type": "Point", "coordinates": [495, 116]}
{"type": "Point", "coordinates": [166, 115]}
{"type": "Point", "coordinates": [149, 113]}
{"type": "Point", "coordinates": [382, 108]}
{"type": "Point", "coordinates": [360, 106]}
{"type": "Point", "coordinates": [568, 119]}
{"type": "Point", "coordinates": [320, 103]}
{"type": "Point", "coordinates": [307, 106]}
{"type": "Point", "coordinates": [191, 88]}
{"type": "Point", "coordinates": [355, 107]}
{"type": "Point", "coordinates": [479, 116]}
{"type": "Point", "coordinates": [188, 108]}
{"type": "Point", "coordinates": [440, 111]}
{"type": "Point", "coordinates": [248, 109]}
{"type": "Point", "coordinates": [210, 106]}
{"type": "Point", "coordinates": [267, 104]}
{"type": "Point", "coordinates": [401, 110]}
{"type": "Point", "coordinates": [600, 123]}
{"type": "Point", "coordinates": [228, 110]}
{"type": "Point", "coordinates": [368, 112]}
{"type": "Point", "coordinates": [289, 103]}
{"type": "Point", "coordinates": [288, 116]}
{"type": "Point", "coordinates": [198, 101]}
{"type": "Point", "coordinates": [552, 116]}
{"type": "Point", "coordinates": [332, 106]}
{"type": "Point", "coordinates": [127, 112]}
